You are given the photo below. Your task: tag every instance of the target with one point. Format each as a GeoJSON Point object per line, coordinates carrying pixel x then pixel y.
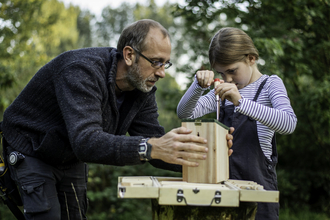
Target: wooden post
{"type": "Point", "coordinates": [245, 211]}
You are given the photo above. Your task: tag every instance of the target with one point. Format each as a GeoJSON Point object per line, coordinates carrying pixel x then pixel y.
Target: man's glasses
{"type": "Point", "coordinates": [155, 64]}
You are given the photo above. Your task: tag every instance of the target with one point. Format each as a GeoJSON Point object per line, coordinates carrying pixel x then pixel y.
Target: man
{"type": "Point", "coordinates": [78, 108]}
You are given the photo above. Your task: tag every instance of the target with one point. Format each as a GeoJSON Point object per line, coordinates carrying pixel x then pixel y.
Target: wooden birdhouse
{"type": "Point", "coordinates": [215, 168]}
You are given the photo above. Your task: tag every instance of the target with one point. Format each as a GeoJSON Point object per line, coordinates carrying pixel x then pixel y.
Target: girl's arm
{"type": "Point", "coordinates": [194, 105]}
{"type": "Point", "coordinates": [280, 117]}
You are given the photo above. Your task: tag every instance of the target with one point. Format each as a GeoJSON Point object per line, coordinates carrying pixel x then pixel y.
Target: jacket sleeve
{"type": "Point", "coordinates": [80, 89]}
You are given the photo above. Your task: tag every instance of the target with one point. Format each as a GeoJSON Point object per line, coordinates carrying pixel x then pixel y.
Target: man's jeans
{"type": "Point", "coordinates": [51, 193]}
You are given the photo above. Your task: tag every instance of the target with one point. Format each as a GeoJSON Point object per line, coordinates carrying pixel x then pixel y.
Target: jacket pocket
{"type": "Point", "coordinates": [34, 198]}
{"type": "Point", "coordinates": [54, 149]}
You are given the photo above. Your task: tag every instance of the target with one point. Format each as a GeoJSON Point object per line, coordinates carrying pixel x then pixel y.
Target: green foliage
{"type": "Point", "coordinates": [303, 214]}
{"type": "Point", "coordinates": [168, 96]}
{"type": "Point", "coordinates": [5, 213]}
{"type": "Point", "coordinates": [84, 28]}
{"type": "Point", "coordinates": [113, 21]}
{"type": "Point", "coordinates": [34, 32]}
{"type": "Point", "coordinates": [16, 28]}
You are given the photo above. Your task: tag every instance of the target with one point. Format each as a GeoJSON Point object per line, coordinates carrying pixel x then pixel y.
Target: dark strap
{"type": "Point", "coordinates": [257, 93]}
{"type": "Point", "coordinates": [274, 150]}
{"type": "Point", "coordinates": [260, 88]}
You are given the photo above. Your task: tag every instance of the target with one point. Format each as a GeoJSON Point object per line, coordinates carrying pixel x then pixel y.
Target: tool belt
{"type": "Point", "coordinates": [9, 193]}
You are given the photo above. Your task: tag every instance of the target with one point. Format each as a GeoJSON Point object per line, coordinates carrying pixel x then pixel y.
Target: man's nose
{"type": "Point", "coordinates": [160, 72]}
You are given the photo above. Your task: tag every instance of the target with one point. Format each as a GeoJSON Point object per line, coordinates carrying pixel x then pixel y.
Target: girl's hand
{"type": "Point", "coordinates": [205, 78]}
{"type": "Point", "coordinates": [228, 91]}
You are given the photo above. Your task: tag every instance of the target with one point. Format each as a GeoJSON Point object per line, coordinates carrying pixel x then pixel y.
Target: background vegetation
{"type": "Point", "coordinates": [293, 38]}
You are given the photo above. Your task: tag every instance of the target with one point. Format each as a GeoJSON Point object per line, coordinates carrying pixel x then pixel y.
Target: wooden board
{"type": "Point", "coordinates": [137, 187]}
{"type": "Point", "coordinates": [215, 168]}
{"type": "Point", "coordinates": [252, 192]}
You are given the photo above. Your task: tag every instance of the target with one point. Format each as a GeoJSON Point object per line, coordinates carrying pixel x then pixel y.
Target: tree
{"type": "Point", "coordinates": [293, 41]}
{"type": "Point", "coordinates": [34, 32]}
{"type": "Point", "coordinates": [16, 28]}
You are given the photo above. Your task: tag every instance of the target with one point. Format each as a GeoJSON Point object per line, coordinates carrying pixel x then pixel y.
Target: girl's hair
{"type": "Point", "coordinates": [230, 45]}
{"type": "Point", "coordinates": [135, 34]}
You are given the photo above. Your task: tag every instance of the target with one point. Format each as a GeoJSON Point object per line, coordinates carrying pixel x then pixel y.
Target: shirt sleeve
{"type": "Point", "coordinates": [280, 117]}
{"type": "Point", "coordinates": [194, 105]}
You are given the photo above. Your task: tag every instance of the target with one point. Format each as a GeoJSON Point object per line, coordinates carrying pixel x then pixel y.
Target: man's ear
{"type": "Point", "coordinates": [129, 55]}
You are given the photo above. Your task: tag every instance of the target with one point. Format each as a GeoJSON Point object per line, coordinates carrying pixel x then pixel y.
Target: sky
{"type": "Point", "coordinates": [96, 6]}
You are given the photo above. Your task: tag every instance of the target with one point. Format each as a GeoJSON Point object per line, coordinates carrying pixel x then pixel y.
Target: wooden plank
{"type": "Point", "coordinates": [244, 184]}
{"type": "Point", "coordinates": [137, 187]}
{"type": "Point", "coordinates": [137, 180]}
{"type": "Point", "coordinates": [259, 196]}
{"type": "Point", "coordinates": [253, 192]}
{"type": "Point", "coordinates": [222, 158]}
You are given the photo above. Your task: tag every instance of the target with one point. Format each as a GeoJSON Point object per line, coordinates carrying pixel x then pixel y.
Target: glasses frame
{"type": "Point", "coordinates": [154, 64]}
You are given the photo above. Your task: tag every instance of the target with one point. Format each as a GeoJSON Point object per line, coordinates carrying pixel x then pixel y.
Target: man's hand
{"type": "Point", "coordinates": [177, 146]}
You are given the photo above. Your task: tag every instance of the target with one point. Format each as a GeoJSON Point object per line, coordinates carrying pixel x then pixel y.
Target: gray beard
{"type": "Point", "coordinates": [136, 80]}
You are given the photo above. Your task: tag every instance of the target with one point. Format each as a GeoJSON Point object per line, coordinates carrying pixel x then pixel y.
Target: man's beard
{"type": "Point", "coordinates": [136, 80]}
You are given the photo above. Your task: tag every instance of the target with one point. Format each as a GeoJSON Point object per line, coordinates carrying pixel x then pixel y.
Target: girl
{"type": "Point", "coordinates": [256, 105]}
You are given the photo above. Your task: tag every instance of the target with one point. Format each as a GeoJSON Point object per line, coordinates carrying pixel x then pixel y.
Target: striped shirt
{"type": "Point", "coordinates": [272, 111]}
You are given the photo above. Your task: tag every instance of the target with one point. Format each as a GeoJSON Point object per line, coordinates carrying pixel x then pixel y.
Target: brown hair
{"type": "Point", "coordinates": [135, 34]}
{"type": "Point", "coordinates": [230, 45]}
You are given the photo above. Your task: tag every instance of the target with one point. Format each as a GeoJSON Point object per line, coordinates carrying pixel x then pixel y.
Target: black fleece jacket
{"type": "Point", "coordinates": [68, 112]}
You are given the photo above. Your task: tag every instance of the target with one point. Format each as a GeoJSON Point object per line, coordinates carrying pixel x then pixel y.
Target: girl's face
{"type": "Point", "coordinates": [241, 73]}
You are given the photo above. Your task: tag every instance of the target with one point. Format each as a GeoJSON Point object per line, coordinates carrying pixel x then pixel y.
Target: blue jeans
{"type": "Point", "coordinates": [51, 193]}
